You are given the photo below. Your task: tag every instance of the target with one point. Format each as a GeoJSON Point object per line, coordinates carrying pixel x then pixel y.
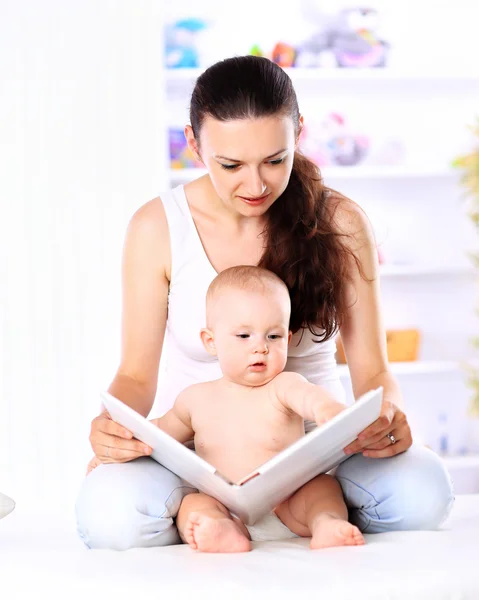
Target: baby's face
{"type": "Point", "coordinates": [251, 334]}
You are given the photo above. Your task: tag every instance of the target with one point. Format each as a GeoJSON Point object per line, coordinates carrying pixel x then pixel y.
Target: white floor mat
{"type": "Point", "coordinates": [41, 556]}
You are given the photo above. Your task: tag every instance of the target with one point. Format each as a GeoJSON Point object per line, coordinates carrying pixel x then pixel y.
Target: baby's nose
{"type": "Point", "coordinates": [262, 347]}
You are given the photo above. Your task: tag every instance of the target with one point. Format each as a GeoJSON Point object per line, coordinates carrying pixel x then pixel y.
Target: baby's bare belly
{"type": "Point", "coordinates": [236, 458]}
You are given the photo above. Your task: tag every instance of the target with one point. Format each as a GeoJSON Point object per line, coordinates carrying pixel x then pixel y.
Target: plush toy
{"type": "Point", "coordinates": [180, 49]}
{"type": "Point", "coordinates": [349, 39]}
{"type": "Point", "coordinates": [334, 143]}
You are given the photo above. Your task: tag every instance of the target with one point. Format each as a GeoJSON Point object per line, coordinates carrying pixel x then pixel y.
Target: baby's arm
{"type": "Point", "coordinates": [177, 421]}
{"type": "Point", "coordinates": [312, 402]}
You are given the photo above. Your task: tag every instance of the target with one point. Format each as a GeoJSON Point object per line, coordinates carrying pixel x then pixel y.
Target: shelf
{"type": "Point", "coordinates": [419, 367]}
{"type": "Point", "coordinates": [386, 172]}
{"type": "Point", "coordinates": [338, 74]}
{"type": "Point", "coordinates": [425, 270]}
{"type": "Point", "coordinates": [357, 172]}
{"type": "Point", "coordinates": [467, 461]}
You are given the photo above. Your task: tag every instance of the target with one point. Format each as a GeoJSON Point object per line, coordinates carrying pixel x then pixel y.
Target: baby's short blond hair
{"type": "Point", "coordinates": [245, 277]}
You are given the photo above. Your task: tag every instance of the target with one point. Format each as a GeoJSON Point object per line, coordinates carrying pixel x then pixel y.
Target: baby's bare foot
{"type": "Point", "coordinates": [207, 534]}
{"type": "Point", "coordinates": [330, 531]}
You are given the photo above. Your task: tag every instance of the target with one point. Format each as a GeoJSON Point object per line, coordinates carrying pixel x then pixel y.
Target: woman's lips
{"type": "Point", "coordinates": [254, 201]}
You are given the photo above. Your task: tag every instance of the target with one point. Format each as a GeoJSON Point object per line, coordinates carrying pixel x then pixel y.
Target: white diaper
{"type": "Point", "coordinates": [270, 528]}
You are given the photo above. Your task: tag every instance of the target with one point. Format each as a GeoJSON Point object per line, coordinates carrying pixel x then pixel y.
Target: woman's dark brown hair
{"type": "Point", "coordinates": [304, 247]}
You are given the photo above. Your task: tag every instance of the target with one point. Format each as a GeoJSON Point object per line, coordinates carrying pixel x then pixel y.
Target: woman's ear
{"type": "Point", "coordinates": [192, 143]}
{"type": "Point", "coordinates": [208, 340]}
{"type": "Point", "coordinates": [300, 130]}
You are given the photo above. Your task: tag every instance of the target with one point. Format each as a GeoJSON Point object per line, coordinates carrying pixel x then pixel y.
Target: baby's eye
{"type": "Point", "coordinates": [243, 336]}
{"type": "Point", "coordinates": [275, 336]}
{"type": "Point", "coordinates": [229, 167]}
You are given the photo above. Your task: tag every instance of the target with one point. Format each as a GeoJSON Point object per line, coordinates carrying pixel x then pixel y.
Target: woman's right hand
{"type": "Point", "coordinates": [113, 443]}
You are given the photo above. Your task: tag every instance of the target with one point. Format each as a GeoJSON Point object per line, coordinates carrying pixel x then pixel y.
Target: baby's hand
{"type": "Point", "coordinates": [328, 409]}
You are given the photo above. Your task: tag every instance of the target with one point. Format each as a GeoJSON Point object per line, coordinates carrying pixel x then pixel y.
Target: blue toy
{"type": "Point", "coordinates": [180, 50]}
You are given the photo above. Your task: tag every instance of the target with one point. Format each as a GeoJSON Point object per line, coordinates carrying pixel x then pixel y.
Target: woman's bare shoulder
{"type": "Point", "coordinates": [148, 232]}
{"type": "Point", "coordinates": [357, 234]}
{"type": "Point", "coordinates": [150, 217]}
{"type": "Point", "coordinates": [349, 218]}
{"type": "Point", "coordinates": [347, 214]}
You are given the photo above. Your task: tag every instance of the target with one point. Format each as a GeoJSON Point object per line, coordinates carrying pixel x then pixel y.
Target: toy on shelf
{"type": "Point", "coordinates": [181, 156]}
{"type": "Point", "coordinates": [402, 346]}
{"type": "Point", "coordinates": [334, 143]}
{"type": "Point", "coordinates": [283, 55]}
{"type": "Point", "coordinates": [348, 39]}
{"type": "Point", "coordinates": [180, 49]}
{"type": "Point", "coordinates": [256, 50]}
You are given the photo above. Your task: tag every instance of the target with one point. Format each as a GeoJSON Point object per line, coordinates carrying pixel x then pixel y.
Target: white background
{"type": "Point", "coordinates": [83, 145]}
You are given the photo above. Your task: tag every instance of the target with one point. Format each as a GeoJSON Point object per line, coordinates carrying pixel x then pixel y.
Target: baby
{"type": "Point", "coordinates": [251, 414]}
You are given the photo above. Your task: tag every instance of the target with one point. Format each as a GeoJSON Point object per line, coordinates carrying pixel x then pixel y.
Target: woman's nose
{"type": "Point", "coordinates": [255, 185]}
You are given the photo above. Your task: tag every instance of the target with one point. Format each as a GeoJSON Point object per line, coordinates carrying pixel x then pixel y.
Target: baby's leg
{"type": "Point", "coordinates": [206, 525]}
{"type": "Point", "coordinates": [318, 510]}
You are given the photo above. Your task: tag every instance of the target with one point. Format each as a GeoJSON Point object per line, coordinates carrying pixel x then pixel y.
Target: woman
{"type": "Point", "coordinates": [260, 203]}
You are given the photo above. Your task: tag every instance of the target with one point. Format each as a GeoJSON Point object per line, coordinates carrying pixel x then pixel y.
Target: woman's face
{"type": "Point", "coordinates": [249, 161]}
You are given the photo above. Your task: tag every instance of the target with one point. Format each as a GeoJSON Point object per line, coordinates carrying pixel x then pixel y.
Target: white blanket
{"type": "Point", "coordinates": [41, 556]}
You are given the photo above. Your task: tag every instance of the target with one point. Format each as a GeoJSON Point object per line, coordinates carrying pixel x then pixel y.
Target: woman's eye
{"type": "Point", "coordinates": [229, 167]}
{"type": "Point", "coordinates": [278, 161]}
{"type": "Point", "coordinates": [243, 336]}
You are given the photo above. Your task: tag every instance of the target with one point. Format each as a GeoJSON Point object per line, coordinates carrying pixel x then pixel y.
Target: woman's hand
{"type": "Point", "coordinates": [112, 443]}
{"type": "Point", "coordinates": [374, 441]}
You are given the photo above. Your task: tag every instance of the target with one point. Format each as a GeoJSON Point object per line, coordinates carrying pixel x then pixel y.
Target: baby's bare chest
{"type": "Point", "coordinates": [241, 424]}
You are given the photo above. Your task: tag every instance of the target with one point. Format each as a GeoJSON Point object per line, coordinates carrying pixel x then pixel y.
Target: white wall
{"type": "Point", "coordinates": [80, 150]}
{"type": "Point", "coordinates": [81, 147]}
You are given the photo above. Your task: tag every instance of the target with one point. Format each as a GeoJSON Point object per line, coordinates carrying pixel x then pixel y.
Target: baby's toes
{"type": "Point", "coordinates": [189, 533]}
{"type": "Point", "coordinates": [355, 536]}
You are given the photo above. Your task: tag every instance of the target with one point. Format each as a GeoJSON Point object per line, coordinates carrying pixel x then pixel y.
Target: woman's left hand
{"type": "Point", "coordinates": [374, 441]}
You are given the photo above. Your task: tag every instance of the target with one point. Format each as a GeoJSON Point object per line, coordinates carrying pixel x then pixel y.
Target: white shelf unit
{"type": "Point", "coordinates": [466, 461]}
{"type": "Point", "coordinates": [419, 367]}
{"type": "Point", "coordinates": [334, 74]}
{"type": "Point", "coordinates": [425, 270]}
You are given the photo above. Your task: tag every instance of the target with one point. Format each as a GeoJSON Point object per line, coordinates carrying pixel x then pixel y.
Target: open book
{"type": "Point", "coordinates": [272, 482]}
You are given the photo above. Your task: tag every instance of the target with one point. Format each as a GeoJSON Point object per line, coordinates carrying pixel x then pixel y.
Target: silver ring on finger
{"type": "Point", "coordinates": [107, 453]}
{"type": "Point", "coordinates": [391, 437]}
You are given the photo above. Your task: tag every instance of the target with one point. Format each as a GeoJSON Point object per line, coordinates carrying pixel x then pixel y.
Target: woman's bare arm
{"type": "Point", "coordinates": [362, 332]}
{"type": "Point", "coordinates": [145, 280]}
{"type": "Point", "coordinates": [145, 277]}
{"type": "Point", "coordinates": [364, 340]}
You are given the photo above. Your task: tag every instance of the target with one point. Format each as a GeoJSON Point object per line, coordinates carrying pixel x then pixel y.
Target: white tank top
{"type": "Point", "coordinates": [184, 359]}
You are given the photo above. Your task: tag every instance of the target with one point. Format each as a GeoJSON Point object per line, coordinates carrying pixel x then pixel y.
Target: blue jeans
{"type": "Point", "coordinates": [134, 504]}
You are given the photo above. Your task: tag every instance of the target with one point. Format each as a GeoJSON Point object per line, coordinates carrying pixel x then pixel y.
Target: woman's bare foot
{"type": "Point", "coordinates": [330, 531]}
{"type": "Point", "coordinates": [208, 534]}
